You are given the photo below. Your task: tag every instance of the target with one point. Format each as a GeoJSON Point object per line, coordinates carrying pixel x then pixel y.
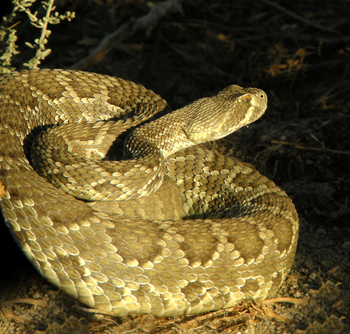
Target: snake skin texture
{"type": "Point", "coordinates": [129, 218]}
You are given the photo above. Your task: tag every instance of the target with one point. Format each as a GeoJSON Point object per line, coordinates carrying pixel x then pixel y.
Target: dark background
{"type": "Point", "coordinates": [301, 143]}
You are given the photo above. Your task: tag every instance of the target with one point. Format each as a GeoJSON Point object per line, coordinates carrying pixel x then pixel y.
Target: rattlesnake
{"type": "Point", "coordinates": [170, 229]}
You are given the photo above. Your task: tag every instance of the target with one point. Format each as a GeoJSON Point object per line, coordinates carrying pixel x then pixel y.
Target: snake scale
{"type": "Point", "coordinates": [155, 225]}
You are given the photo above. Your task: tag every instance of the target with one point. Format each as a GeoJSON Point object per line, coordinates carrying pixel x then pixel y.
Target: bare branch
{"type": "Point", "coordinates": [125, 31]}
{"type": "Point", "coordinates": [299, 18]}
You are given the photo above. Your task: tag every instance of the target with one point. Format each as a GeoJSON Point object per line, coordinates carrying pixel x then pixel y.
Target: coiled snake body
{"type": "Point", "coordinates": [170, 229]}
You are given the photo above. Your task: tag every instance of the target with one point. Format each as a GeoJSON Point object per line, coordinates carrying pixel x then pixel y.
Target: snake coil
{"type": "Point", "coordinates": [170, 229]}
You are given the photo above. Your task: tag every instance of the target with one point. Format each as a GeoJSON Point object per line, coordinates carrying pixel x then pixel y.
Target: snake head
{"type": "Point", "coordinates": [215, 117]}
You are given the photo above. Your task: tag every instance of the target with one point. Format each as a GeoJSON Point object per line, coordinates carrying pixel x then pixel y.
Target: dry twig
{"type": "Point", "coordinates": [299, 18]}
{"type": "Point", "coordinates": [302, 147]}
{"type": "Point", "coordinates": [145, 23]}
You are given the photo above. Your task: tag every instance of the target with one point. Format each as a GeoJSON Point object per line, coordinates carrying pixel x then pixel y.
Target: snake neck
{"type": "Point", "coordinates": [164, 135]}
{"type": "Point", "coordinates": [203, 120]}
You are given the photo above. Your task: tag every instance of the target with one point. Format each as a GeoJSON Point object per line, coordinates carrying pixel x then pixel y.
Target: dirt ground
{"type": "Point", "coordinates": [299, 53]}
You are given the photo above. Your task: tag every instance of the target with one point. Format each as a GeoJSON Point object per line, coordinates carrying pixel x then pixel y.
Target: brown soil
{"type": "Point", "coordinates": [302, 143]}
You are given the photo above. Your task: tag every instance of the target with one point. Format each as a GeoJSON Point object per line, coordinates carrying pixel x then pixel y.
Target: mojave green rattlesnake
{"type": "Point", "coordinates": [171, 229]}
